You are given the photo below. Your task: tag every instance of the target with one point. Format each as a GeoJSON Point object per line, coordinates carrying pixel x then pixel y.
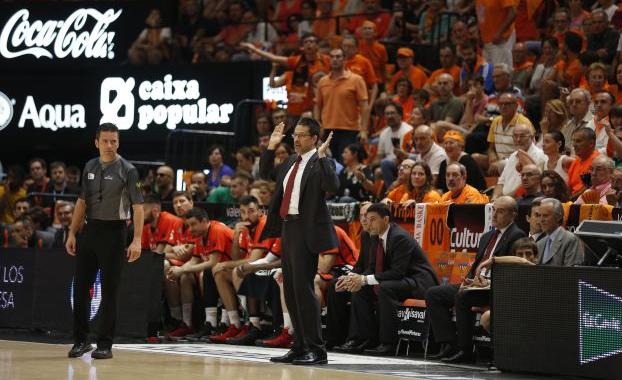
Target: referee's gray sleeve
{"type": "Point", "coordinates": [134, 187]}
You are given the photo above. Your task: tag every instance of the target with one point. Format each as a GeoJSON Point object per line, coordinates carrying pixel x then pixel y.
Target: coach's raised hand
{"type": "Point", "coordinates": [321, 152]}
{"type": "Point", "coordinates": [277, 136]}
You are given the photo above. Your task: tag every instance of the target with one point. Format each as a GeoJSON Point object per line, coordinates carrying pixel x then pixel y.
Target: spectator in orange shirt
{"type": "Point", "coordinates": [420, 186]}
{"type": "Point", "coordinates": [403, 96]}
{"type": "Point", "coordinates": [374, 13]}
{"type": "Point", "coordinates": [523, 67]}
{"type": "Point", "coordinates": [299, 94]}
{"type": "Point", "coordinates": [398, 188]}
{"type": "Point", "coordinates": [360, 65]}
{"type": "Point", "coordinates": [373, 50]}
{"type": "Point", "coordinates": [407, 69]}
{"type": "Point", "coordinates": [496, 28]}
{"type": "Point", "coordinates": [459, 192]}
{"type": "Point", "coordinates": [342, 104]}
{"type": "Point", "coordinates": [568, 72]}
{"type": "Point", "coordinates": [310, 60]}
{"type": "Point", "coordinates": [325, 25]}
{"type": "Point", "coordinates": [447, 58]}
{"type": "Point", "coordinates": [233, 33]}
{"type": "Point", "coordinates": [584, 143]}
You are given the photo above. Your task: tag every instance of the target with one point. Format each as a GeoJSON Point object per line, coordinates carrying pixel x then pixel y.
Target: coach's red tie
{"type": "Point", "coordinates": [379, 261]}
{"type": "Point", "coordinates": [287, 195]}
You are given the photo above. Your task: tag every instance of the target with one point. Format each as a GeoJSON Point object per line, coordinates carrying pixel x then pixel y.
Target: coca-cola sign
{"type": "Point", "coordinates": [85, 33]}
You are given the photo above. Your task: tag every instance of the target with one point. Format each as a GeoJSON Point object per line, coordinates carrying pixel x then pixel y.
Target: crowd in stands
{"type": "Point", "coordinates": [525, 109]}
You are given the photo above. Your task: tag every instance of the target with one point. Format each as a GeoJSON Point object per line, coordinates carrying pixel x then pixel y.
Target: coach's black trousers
{"type": "Point", "coordinates": [299, 269]}
{"type": "Point", "coordinates": [101, 245]}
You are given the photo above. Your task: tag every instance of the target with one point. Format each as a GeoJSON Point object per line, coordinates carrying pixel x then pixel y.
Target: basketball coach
{"type": "Point", "coordinates": [299, 215]}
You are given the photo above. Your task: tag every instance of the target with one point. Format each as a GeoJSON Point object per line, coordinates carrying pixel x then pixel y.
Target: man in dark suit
{"type": "Point", "coordinates": [337, 301]}
{"type": "Point", "coordinates": [440, 300]}
{"type": "Point", "coordinates": [299, 215]}
{"type": "Point", "coordinates": [398, 270]}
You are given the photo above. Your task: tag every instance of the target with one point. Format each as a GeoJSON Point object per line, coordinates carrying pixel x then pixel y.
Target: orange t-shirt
{"type": "Point", "coordinates": [431, 196]}
{"type": "Point", "coordinates": [363, 67]}
{"type": "Point", "coordinates": [578, 168]}
{"type": "Point", "coordinates": [407, 106]}
{"type": "Point", "coordinates": [324, 28]}
{"type": "Point", "coordinates": [338, 100]}
{"type": "Point", "coordinates": [571, 73]}
{"type": "Point", "coordinates": [381, 20]}
{"type": "Point", "coordinates": [415, 75]}
{"type": "Point", "coordinates": [490, 15]}
{"type": "Point", "coordinates": [219, 240]}
{"type": "Point", "coordinates": [377, 55]}
{"type": "Point", "coordinates": [248, 243]}
{"type": "Point", "coordinates": [469, 195]}
{"type": "Point", "coordinates": [347, 253]}
{"type": "Point", "coordinates": [299, 98]}
{"type": "Point", "coordinates": [321, 63]}
{"type": "Point", "coordinates": [168, 230]}
{"type": "Point", "coordinates": [397, 194]}
{"type": "Point", "coordinates": [454, 71]}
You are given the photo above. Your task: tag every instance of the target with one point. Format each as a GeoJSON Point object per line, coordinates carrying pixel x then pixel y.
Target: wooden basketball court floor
{"type": "Point", "coordinates": [34, 361]}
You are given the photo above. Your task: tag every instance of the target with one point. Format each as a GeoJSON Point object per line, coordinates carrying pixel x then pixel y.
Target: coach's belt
{"type": "Point", "coordinates": [291, 217]}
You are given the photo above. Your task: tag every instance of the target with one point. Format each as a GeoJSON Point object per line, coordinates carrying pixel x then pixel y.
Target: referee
{"type": "Point", "coordinates": [110, 185]}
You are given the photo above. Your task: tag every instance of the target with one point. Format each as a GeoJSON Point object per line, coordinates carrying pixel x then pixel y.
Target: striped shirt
{"type": "Point", "coordinates": [501, 136]}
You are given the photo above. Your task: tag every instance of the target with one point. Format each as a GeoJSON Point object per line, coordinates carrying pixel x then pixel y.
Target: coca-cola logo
{"type": "Point", "coordinates": [82, 34]}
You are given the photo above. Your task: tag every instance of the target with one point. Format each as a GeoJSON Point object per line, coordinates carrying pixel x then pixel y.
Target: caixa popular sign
{"type": "Point", "coordinates": [84, 33]}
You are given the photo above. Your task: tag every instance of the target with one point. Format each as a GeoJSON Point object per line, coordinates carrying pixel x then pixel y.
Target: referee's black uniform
{"type": "Point", "coordinates": [109, 190]}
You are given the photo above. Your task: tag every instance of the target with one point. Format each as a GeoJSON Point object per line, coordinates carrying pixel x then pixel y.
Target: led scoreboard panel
{"type": "Point", "coordinates": [558, 320]}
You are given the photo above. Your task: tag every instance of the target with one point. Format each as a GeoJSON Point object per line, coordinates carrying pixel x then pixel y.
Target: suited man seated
{"type": "Point", "coordinates": [337, 316]}
{"type": "Point", "coordinates": [398, 270]}
{"type": "Point", "coordinates": [457, 340]}
{"type": "Point", "coordinates": [559, 247]}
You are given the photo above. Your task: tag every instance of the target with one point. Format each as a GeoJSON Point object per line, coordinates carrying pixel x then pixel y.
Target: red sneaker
{"type": "Point", "coordinates": [283, 340]}
{"type": "Point", "coordinates": [182, 330]}
{"type": "Point", "coordinates": [241, 333]}
{"type": "Point", "coordinates": [231, 332]}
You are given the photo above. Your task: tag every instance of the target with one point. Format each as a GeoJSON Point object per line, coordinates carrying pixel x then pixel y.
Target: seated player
{"type": "Point", "coordinates": [247, 247]}
{"type": "Point", "coordinates": [257, 281]}
{"type": "Point", "coordinates": [163, 230]}
{"type": "Point", "coordinates": [213, 245]}
{"type": "Point", "coordinates": [335, 263]}
{"type": "Point", "coordinates": [177, 251]}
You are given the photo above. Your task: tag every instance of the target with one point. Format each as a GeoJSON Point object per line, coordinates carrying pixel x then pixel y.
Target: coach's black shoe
{"type": "Point", "coordinates": [381, 350]}
{"type": "Point", "coordinates": [79, 349]}
{"type": "Point", "coordinates": [102, 353]}
{"type": "Point", "coordinates": [461, 357]}
{"type": "Point", "coordinates": [311, 358]}
{"type": "Point", "coordinates": [288, 358]}
{"type": "Point", "coordinates": [446, 351]}
{"type": "Point", "coordinates": [247, 339]}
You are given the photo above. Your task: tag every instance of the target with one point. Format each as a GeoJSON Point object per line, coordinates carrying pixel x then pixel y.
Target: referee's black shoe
{"type": "Point", "coordinates": [79, 349]}
{"type": "Point", "coordinates": [102, 353]}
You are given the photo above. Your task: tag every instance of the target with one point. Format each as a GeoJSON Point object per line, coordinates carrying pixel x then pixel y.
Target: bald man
{"type": "Point", "coordinates": [441, 300]}
{"type": "Point", "coordinates": [601, 171]}
{"type": "Point", "coordinates": [522, 66]}
{"type": "Point", "coordinates": [527, 153]}
{"type": "Point", "coordinates": [530, 182]}
{"type": "Point", "coordinates": [427, 150]}
{"type": "Point", "coordinates": [165, 179]}
{"type": "Point", "coordinates": [447, 107]}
